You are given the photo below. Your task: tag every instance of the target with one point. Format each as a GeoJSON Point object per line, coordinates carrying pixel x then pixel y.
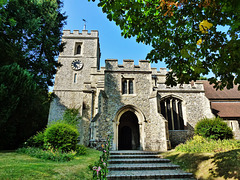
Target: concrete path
{"type": "Point", "coordinates": [143, 165]}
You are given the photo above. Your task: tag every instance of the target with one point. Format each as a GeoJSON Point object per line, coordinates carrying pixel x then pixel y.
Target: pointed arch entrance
{"type": "Point", "coordinates": [128, 126]}
{"type": "Point", "coordinates": [128, 132]}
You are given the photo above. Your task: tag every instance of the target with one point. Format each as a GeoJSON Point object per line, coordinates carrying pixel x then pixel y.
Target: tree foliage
{"type": "Point", "coordinates": [30, 35]}
{"type": "Point", "coordinates": [23, 106]}
{"type": "Point", "coordinates": [30, 40]}
{"type": "Point", "coordinates": [71, 116]}
{"type": "Point", "coordinates": [185, 35]}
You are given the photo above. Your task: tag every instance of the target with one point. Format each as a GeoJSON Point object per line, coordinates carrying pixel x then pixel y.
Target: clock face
{"type": "Point", "coordinates": [77, 65]}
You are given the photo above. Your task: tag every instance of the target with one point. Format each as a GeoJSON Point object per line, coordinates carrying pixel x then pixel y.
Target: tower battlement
{"type": "Point", "coordinates": [192, 86]}
{"type": "Point", "coordinates": [162, 71]}
{"type": "Point", "coordinates": [128, 65]}
{"type": "Point", "coordinates": [76, 33]}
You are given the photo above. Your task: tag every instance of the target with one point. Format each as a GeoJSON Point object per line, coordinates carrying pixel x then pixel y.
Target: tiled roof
{"type": "Point", "coordinates": [224, 103]}
{"type": "Point", "coordinates": [225, 94]}
{"type": "Point", "coordinates": [226, 109]}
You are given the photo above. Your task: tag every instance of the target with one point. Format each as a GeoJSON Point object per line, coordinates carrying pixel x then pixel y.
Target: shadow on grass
{"type": "Point", "coordinates": [208, 166]}
{"type": "Point", "coordinates": [189, 162]}
{"type": "Point", "coordinates": [227, 164]}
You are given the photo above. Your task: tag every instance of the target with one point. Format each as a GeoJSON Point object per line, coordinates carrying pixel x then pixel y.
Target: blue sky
{"type": "Point", "coordinates": [112, 44]}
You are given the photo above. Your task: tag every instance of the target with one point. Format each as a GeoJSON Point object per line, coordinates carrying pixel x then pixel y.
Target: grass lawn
{"type": "Point", "coordinates": [208, 166]}
{"type": "Point", "coordinates": [205, 166]}
{"type": "Point", "coordinates": [19, 166]}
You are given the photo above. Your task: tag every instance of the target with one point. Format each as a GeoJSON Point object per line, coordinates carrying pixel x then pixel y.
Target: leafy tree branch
{"type": "Point", "coordinates": [185, 35]}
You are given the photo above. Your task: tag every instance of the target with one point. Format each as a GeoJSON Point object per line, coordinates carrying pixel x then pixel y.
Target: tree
{"type": "Point", "coordinates": [30, 40]}
{"type": "Point", "coordinates": [30, 35]}
{"type": "Point", "coordinates": [23, 106]}
{"type": "Point", "coordinates": [185, 35]}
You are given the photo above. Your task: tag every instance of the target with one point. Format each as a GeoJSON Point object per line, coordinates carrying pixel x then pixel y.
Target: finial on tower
{"type": "Point", "coordinates": [84, 24]}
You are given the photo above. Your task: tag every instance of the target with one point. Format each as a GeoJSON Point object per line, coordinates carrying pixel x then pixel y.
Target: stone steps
{"type": "Point", "coordinates": [133, 152]}
{"type": "Point", "coordinates": [139, 160]}
{"type": "Point", "coordinates": [150, 166]}
{"type": "Point", "coordinates": [135, 156]}
{"type": "Point", "coordinates": [143, 165]}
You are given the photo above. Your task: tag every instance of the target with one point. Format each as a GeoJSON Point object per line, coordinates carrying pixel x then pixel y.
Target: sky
{"type": "Point", "coordinates": [112, 44]}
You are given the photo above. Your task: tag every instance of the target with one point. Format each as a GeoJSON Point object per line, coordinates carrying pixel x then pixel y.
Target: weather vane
{"type": "Point", "coordinates": [84, 24]}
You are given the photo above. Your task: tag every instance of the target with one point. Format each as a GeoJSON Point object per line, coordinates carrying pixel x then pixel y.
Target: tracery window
{"type": "Point", "coordinates": [171, 109]}
{"type": "Point", "coordinates": [127, 86]}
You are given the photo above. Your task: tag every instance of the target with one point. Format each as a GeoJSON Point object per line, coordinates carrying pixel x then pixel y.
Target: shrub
{"type": "Point", "coordinates": [200, 144]}
{"type": "Point", "coordinates": [36, 140]}
{"type": "Point", "coordinates": [81, 150]}
{"type": "Point", "coordinates": [61, 136]}
{"type": "Point", "coordinates": [53, 155]}
{"type": "Point", "coordinates": [213, 128]}
{"type": "Point", "coordinates": [70, 116]}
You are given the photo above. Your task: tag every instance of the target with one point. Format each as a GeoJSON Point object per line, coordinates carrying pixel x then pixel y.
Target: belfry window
{"type": "Point", "coordinates": [171, 109]}
{"type": "Point", "coordinates": [127, 86]}
{"type": "Point", "coordinates": [78, 49]}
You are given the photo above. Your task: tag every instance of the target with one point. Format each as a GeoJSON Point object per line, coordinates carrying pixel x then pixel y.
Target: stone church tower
{"type": "Point", "coordinates": [129, 102]}
{"type": "Point", "coordinates": [73, 87]}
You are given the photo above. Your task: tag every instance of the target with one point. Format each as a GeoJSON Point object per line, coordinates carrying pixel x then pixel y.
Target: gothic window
{"type": "Point", "coordinates": [78, 49]}
{"type": "Point", "coordinates": [171, 109]}
{"type": "Point", "coordinates": [127, 86]}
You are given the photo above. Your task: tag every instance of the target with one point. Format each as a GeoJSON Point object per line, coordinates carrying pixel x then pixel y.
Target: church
{"type": "Point", "coordinates": [127, 101]}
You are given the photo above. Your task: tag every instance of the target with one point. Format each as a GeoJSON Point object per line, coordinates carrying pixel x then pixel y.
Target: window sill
{"type": "Point", "coordinates": [128, 94]}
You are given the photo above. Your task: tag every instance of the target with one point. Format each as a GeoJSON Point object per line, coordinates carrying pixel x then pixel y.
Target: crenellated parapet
{"type": "Point", "coordinates": [128, 65]}
{"type": "Point", "coordinates": [192, 86]}
{"type": "Point", "coordinates": [162, 71]}
{"type": "Point", "coordinates": [77, 34]}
